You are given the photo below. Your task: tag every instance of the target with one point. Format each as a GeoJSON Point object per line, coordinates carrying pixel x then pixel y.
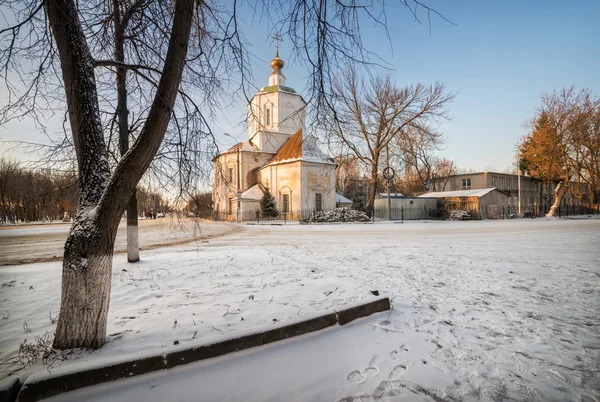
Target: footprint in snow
{"type": "Point", "coordinates": [358, 376]}
{"type": "Point", "coordinates": [397, 371]}
{"type": "Point", "coordinates": [434, 366]}
{"type": "Point", "coordinates": [355, 377]}
{"type": "Point", "coordinates": [398, 353]}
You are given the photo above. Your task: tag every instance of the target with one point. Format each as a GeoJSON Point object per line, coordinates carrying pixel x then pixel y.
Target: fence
{"type": "Point", "coordinates": [402, 213]}
{"type": "Point", "coordinates": [253, 216]}
{"type": "Point", "coordinates": [486, 212]}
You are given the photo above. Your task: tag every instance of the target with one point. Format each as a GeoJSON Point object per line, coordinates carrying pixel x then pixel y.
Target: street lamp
{"type": "Point", "coordinates": [239, 188]}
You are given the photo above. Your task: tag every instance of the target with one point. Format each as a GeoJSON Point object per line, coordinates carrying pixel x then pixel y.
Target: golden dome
{"type": "Point", "coordinates": [277, 63]}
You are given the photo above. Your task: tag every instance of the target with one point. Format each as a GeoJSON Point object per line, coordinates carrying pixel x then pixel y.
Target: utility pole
{"type": "Point", "coordinates": [388, 179]}
{"type": "Point", "coordinates": [519, 184]}
{"type": "Point", "coordinates": [239, 185]}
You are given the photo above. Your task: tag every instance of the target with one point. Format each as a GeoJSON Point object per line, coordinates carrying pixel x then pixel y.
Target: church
{"type": "Point", "coordinates": [278, 155]}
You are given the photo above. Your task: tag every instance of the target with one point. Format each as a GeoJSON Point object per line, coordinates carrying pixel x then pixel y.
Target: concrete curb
{"type": "Point", "coordinates": [9, 388]}
{"type": "Point", "coordinates": [64, 379]}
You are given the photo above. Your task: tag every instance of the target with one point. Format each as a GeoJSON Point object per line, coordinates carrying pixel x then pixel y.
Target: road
{"type": "Point", "coordinates": [23, 244]}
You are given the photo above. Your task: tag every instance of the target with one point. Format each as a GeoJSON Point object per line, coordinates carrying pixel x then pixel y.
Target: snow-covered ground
{"type": "Point", "coordinates": [485, 310]}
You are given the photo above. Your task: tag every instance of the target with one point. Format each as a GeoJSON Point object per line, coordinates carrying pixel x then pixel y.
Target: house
{"type": "Point", "coordinates": [278, 155]}
{"type": "Point", "coordinates": [535, 195]}
{"type": "Point", "coordinates": [487, 203]}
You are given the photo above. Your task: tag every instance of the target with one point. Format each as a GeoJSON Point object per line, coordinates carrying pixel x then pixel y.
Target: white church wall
{"type": "Point", "coordinates": [284, 182]}
{"type": "Point", "coordinates": [286, 114]}
{"type": "Point", "coordinates": [251, 161]}
{"type": "Point", "coordinates": [223, 187]}
{"type": "Point", "coordinates": [319, 179]}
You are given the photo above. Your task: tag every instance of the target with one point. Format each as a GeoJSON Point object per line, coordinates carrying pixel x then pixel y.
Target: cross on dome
{"type": "Point", "coordinates": [277, 63]}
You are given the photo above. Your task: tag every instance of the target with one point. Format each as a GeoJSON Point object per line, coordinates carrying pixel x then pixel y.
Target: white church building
{"type": "Point", "coordinates": [278, 155]}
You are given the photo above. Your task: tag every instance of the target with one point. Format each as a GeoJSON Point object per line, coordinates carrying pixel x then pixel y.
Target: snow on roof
{"type": "Point", "coordinates": [478, 192]}
{"type": "Point", "coordinates": [392, 195]}
{"type": "Point", "coordinates": [299, 148]}
{"type": "Point", "coordinates": [342, 199]}
{"type": "Point", "coordinates": [242, 146]}
{"type": "Point", "coordinates": [254, 193]}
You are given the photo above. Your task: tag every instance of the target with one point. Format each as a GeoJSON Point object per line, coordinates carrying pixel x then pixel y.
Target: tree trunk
{"type": "Point", "coordinates": [559, 193]}
{"type": "Point", "coordinates": [133, 250]}
{"type": "Point", "coordinates": [86, 283]}
{"type": "Point", "coordinates": [372, 188]}
{"type": "Point", "coordinates": [133, 243]}
{"type": "Point", "coordinates": [87, 263]}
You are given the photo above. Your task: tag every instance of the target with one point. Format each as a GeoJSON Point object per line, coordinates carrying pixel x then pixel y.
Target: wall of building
{"type": "Point", "coordinates": [223, 187]}
{"type": "Point", "coordinates": [287, 113]}
{"type": "Point", "coordinates": [413, 207]}
{"type": "Point", "coordinates": [251, 161]}
{"type": "Point", "coordinates": [406, 203]}
{"type": "Point", "coordinates": [319, 179]}
{"type": "Point", "coordinates": [284, 180]}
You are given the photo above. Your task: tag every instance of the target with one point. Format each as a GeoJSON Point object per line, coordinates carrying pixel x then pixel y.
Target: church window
{"type": "Point", "coordinates": [318, 202]}
{"type": "Point", "coordinates": [286, 203]}
{"type": "Point", "coordinates": [466, 184]}
{"type": "Point", "coordinates": [230, 173]}
{"type": "Point", "coordinates": [267, 116]}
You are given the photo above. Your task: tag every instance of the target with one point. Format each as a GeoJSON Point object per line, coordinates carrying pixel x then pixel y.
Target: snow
{"type": "Point", "coordinates": [254, 193]}
{"type": "Point", "coordinates": [482, 310]}
{"type": "Point", "coordinates": [459, 193]}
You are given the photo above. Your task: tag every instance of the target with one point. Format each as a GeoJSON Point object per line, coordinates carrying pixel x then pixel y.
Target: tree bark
{"type": "Point", "coordinates": [559, 193]}
{"type": "Point", "coordinates": [88, 250]}
{"type": "Point", "coordinates": [372, 186]}
{"type": "Point", "coordinates": [87, 263]}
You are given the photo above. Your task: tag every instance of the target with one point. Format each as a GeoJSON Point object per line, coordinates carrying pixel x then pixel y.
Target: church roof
{"type": "Point", "coordinates": [242, 146]}
{"type": "Point", "coordinates": [299, 148]}
{"type": "Point", "coordinates": [277, 88]}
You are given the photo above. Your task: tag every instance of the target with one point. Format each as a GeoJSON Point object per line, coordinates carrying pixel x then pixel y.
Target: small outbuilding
{"type": "Point", "coordinates": [403, 207]}
{"type": "Point", "coordinates": [342, 202]}
{"type": "Point", "coordinates": [486, 203]}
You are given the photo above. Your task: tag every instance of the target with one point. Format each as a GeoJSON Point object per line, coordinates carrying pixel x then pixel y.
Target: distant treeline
{"type": "Point", "coordinates": [30, 195]}
{"type": "Point", "coordinates": [35, 194]}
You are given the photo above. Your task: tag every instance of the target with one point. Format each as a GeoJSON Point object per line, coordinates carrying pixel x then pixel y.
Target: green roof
{"type": "Point", "coordinates": [277, 88]}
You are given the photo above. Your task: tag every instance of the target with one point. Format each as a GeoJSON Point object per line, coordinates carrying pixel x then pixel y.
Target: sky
{"type": "Point", "coordinates": [498, 57]}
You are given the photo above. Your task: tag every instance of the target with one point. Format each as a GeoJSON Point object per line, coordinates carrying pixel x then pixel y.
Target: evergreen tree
{"type": "Point", "coordinates": [267, 205]}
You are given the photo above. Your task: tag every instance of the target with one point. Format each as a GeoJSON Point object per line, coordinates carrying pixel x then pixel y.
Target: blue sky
{"type": "Point", "coordinates": [498, 58]}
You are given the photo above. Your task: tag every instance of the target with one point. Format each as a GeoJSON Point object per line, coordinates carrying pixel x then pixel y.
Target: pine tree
{"type": "Point", "coordinates": [267, 205]}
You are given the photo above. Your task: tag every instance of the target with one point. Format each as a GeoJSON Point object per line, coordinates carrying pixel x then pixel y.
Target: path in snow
{"type": "Point", "coordinates": [23, 244]}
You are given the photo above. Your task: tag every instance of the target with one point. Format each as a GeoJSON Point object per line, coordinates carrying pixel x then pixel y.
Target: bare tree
{"type": "Point", "coordinates": [64, 39]}
{"type": "Point", "coordinates": [417, 148]}
{"type": "Point", "coordinates": [368, 116]}
{"type": "Point", "coordinates": [443, 169]}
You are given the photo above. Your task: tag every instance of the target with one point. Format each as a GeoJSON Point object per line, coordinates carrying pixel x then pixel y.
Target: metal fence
{"type": "Point", "coordinates": [402, 213]}
{"type": "Point", "coordinates": [486, 212]}
{"type": "Point", "coordinates": [258, 217]}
